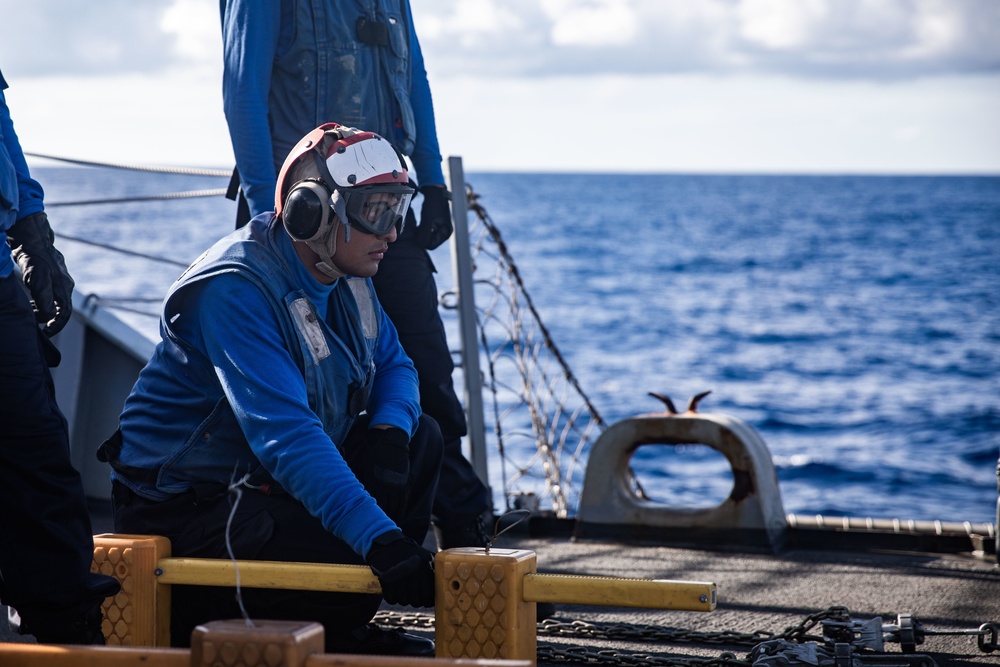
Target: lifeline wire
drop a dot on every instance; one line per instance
(123, 251)
(182, 171)
(190, 194)
(234, 487)
(536, 396)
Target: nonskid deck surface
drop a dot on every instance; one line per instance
(772, 592)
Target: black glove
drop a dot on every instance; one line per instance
(384, 467)
(435, 217)
(404, 568)
(43, 271)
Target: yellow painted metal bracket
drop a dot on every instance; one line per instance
(268, 574)
(560, 588)
(620, 592)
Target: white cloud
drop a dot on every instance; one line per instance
(598, 23)
(195, 26)
(871, 39)
(61, 37)
(780, 24)
(861, 39)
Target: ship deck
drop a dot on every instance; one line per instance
(758, 592)
(770, 593)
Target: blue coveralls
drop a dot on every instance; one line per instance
(264, 371)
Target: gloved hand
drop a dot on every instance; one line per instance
(385, 460)
(43, 270)
(435, 217)
(404, 569)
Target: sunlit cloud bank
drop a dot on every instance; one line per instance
(861, 86)
(872, 39)
(875, 39)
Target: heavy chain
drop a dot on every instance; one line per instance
(580, 655)
(405, 619)
(649, 633)
(583, 655)
(653, 633)
(798, 633)
(559, 654)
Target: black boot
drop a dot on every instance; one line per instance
(84, 629)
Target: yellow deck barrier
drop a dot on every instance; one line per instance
(140, 614)
(562, 588)
(226, 644)
(485, 600)
(36, 655)
(268, 574)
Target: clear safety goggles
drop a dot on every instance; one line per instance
(375, 209)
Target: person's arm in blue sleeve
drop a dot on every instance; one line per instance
(25, 229)
(267, 393)
(395, 395)
(30, 196)
(250, 31)
(426, 155)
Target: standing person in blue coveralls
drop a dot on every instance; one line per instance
(290, 66)
(279, 416)
(46, 540)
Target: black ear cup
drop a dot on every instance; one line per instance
(306, 213)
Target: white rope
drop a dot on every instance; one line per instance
(234, 488)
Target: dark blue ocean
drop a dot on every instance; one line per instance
(853, 321)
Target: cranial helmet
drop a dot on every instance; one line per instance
(335, 175)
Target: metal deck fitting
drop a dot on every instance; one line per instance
(752, 514)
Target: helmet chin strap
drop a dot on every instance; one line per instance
(325, 247)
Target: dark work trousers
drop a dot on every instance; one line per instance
(408, 293)
(274, 527)
(46, 540)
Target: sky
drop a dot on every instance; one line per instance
(676, 86)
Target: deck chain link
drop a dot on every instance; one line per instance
(586, 655)
(649, 633)
(581, 655)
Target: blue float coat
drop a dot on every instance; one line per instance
(229, 347)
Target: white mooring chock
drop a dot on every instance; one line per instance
(752, 514)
